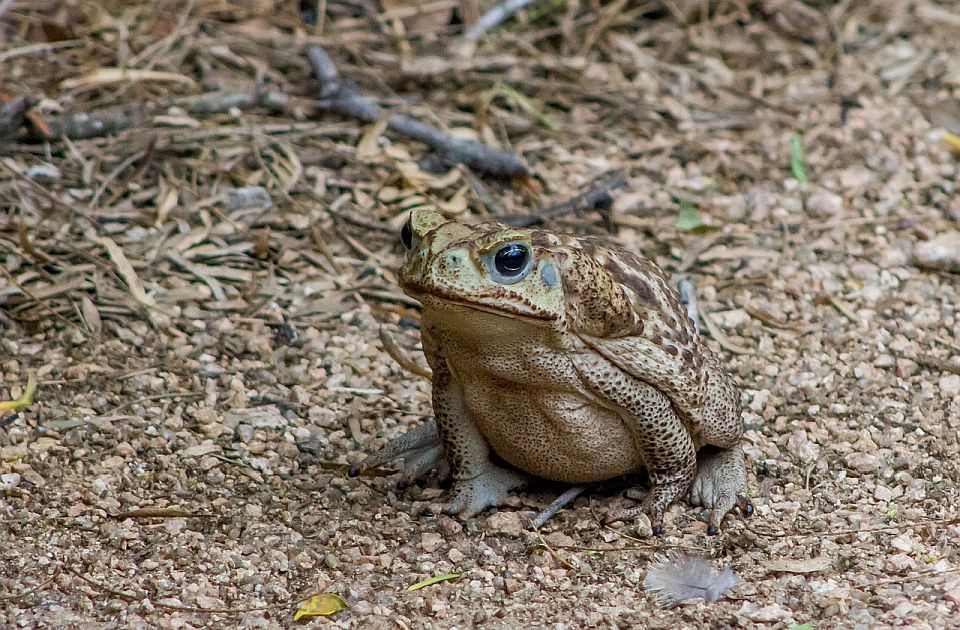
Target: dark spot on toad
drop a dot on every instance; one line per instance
(633, 281)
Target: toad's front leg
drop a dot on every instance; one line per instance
(478, 483)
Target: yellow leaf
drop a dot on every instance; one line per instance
(427, 582)
(324, 605)
(24, 401)
(953, 140)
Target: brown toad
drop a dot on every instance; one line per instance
(571, 360)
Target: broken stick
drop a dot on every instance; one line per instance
(336, 95)
(598, 197)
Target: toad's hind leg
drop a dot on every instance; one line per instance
(665, 444)
(420, 450)
(720, 484)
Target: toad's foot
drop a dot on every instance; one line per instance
(469, 497)
(420, 450)
(720, 484)
(666, 489)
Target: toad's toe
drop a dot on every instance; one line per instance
(491, 488)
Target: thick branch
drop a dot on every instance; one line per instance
(338, 96)
(111, 120)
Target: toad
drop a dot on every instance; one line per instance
(569, 359)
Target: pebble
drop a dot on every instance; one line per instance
(862, 462)
(265, 417)
(941, 253)
(508, 523)
(559, 539)
(950, 385)
(764, 614)
(430, 542)
(450, 526)
(10, 480)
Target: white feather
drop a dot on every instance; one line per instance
(674, 577)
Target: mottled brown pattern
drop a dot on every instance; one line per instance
(582, 379)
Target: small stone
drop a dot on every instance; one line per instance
(559, 539)
(331, 561)
(950, 385)
(882, 493)
(508, 523)
(114, 462)
(244, 433)
(10, 480)
(265, 417)
(511, 585)
(824, 203)
(773, 612)
(430, 542)
(802, 448)
(906, 368)
(450, 526)
(904, 542)
(455, 556)
(862, 462)
(204, 601)
(941, 253)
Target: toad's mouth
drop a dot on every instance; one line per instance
(489, 304)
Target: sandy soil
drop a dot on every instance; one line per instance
(202, 391)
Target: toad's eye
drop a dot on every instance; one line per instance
(510, 263)
(406, 235)
(511, 259)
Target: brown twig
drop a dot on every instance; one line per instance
(111, 120)
(127, 597)
(336, 95)
(157, 513)
(38, 587)
(390, 345)
(552, 551)
(599, 197)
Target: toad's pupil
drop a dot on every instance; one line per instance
(406, 235)
(511, 259)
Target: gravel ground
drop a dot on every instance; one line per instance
(184, 464)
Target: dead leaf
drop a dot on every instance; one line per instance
(107, 76)
(200, 450)
(324, 605)
(125, 269)
(434, 580)
(799, 565)
(368, 149)
(25, 400)
(91, 316)
(418, 17)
